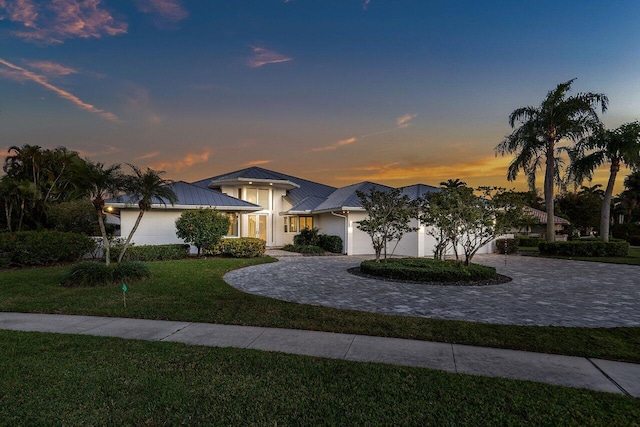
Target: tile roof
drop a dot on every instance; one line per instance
(192, 195)
(542, 216)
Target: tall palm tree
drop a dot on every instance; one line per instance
(616, 147)
(147, 187)
(453, 183)
(541, 131)
(100, 183)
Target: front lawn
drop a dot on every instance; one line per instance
(193, 290)
(54, 379)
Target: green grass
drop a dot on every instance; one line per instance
(193, 290)
(633, 257)
(51, 379)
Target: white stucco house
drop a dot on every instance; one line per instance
(274, 207)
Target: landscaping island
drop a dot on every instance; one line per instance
(430, 272)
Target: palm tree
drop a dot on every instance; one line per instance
(100, 184)
(542, 129)
(630, 197)
(148, 187)
(453, 183)
(616, 147)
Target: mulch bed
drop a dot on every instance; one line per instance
(499, 279)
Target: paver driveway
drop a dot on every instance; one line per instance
(542, 292)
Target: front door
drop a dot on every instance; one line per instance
(258, 226)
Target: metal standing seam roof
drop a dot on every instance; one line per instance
(346, 197)
(192, 195)
(418, 190)
(294, 196)
(541, 216)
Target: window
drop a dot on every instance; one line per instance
(306, 222)
(293, 224)
(258, 196)
(233, 224)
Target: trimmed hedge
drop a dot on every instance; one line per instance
(244, 247)
(29, 248)
(99, 274)
(330, 243)
(304, 249)
(427, 270)
(508, 246)
(585, 248)
(152, 252)
(529, 241)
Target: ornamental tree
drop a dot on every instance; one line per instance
(389, 213)
(202, 228)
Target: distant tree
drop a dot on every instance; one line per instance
(543, 128)
(388, 216)
(147, 187)
(202, 227)
(76, 216)
(630, 197)
(582, 208)
(616, 147)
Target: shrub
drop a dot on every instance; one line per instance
(307, 236)
(244, 247)
(304, 249)
(27, 248)
(152, 252)
(330, 243)
(585, 248)
(78, 216)
(202, 227)
(628, 232)
(99, 274)
(427, 270)
(526, 241)
(508, 246)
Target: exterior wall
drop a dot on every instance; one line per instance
(333, 225)
(156, 228)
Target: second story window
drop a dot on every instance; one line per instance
(258, 196)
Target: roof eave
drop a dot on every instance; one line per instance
(286, 184)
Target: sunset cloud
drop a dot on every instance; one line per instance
(148, 155)
(262, 56)
(256, 163)
(51, 69)
(187, 161)
(54, 21)
(338, 144)
(17, 73)
(164, 10)
(404, 121)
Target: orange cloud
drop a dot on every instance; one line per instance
(262, 56)
(58, 20)
(20, 74)
(109, 149)
(148, 155)
(340, 143)
(256, 163)
(187, 161)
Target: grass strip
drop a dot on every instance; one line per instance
(193, 290)
(52, 379)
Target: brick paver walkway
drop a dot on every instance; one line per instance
(543, 291)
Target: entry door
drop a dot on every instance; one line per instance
(258, 226)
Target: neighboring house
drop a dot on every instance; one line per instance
(274, 207)
(537, 226)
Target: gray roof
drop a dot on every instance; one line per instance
(346, 197)
(307, 205)
(192, 195)
(418, 190)
(295, 196)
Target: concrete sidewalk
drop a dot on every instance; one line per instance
(580, 372)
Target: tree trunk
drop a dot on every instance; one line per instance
(106, 248)
(131, 233)
(7, 212)
(606, 202)
(548, 191)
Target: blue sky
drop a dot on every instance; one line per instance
(338, 91)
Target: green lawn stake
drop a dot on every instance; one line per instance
(124, 293)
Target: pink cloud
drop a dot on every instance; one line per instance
(148, 155)
(169, 10)
(340, 143)
(256, 163)
(20, 74)
(51, 69)
(188, 160)
(58, 20)
(262, 56)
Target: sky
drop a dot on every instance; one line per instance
(336, 91)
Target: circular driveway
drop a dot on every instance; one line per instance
(543, 291)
